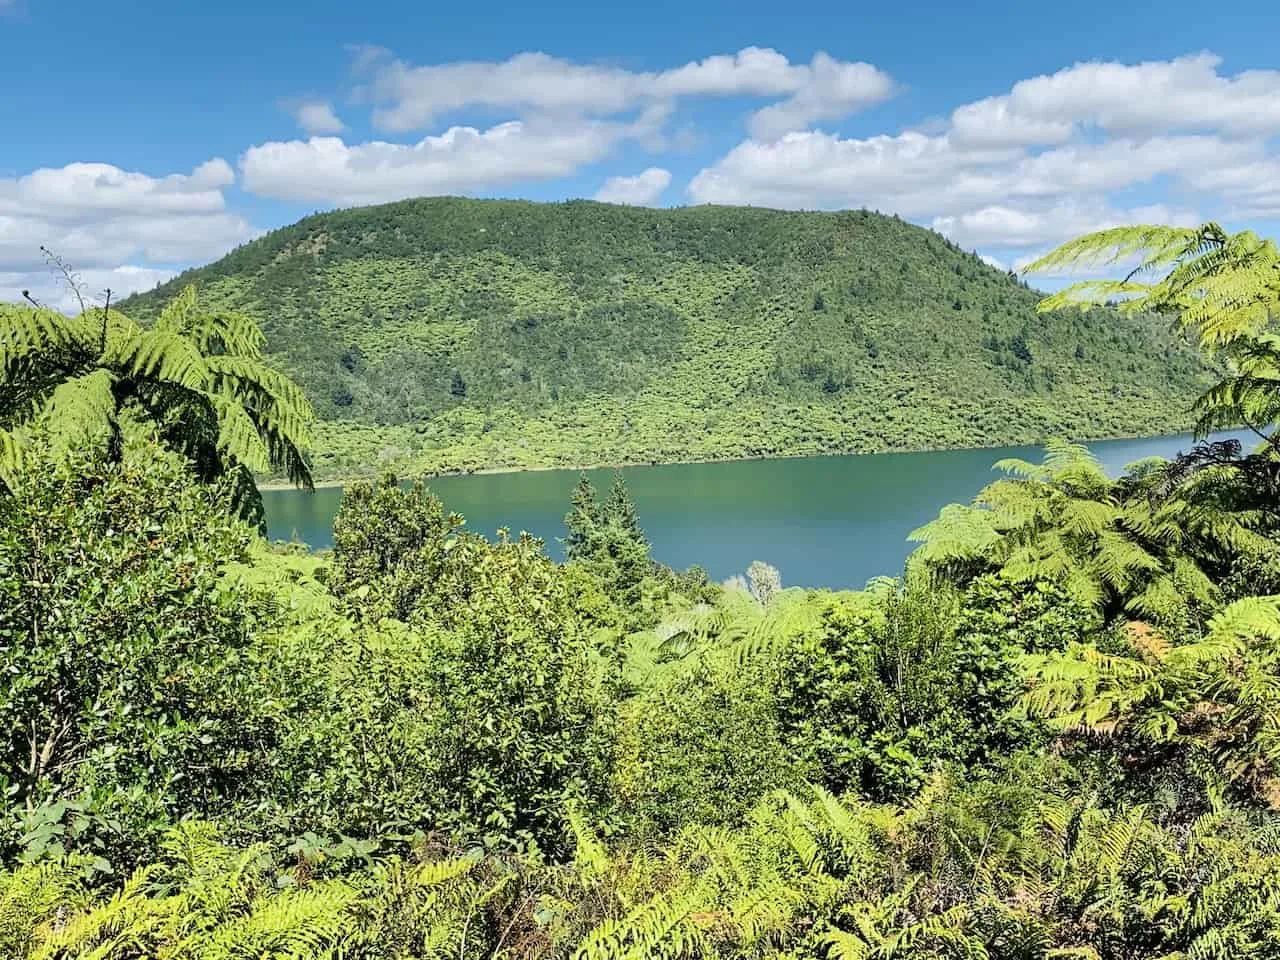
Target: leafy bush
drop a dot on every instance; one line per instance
(886, 692)
(699, 746)
(496, 682)
(127, 674)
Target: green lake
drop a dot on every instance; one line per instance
(822, 521)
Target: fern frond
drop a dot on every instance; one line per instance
(165, 356)
(1247, 618)
(1088, 517)
(80, 412)
(958, 533)
(303, 923)
(238, 435)
(1158, 245)
(29, 897)
(1221, 286)
(1125, 295)
(38, 331)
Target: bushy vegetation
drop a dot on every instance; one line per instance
(445, 335)
(1055, 735)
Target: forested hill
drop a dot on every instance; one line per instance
(446, 334)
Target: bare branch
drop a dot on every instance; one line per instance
(69, 277)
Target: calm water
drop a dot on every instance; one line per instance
(822, 521)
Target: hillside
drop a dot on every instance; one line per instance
(447, 334)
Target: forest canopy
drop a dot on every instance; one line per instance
(448, 334)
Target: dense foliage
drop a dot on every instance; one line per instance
(1055, 735)
(127, 681)
(448, 334)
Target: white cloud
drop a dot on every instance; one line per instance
(460, 160)
(1249, 186)
(831, 90)
(1185, 94)
(568, 115)
(1053, 158)
(118, 227)
(1092, 145)
(410, 98)
(317, 117)
(979, 196)
(1009, 227)
(907, 173)
(85, 192)
(918, 175)
(641, 190)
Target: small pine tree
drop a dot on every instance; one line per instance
(620, 510)
(819, 304)
(607, 540)
(625, 545)
(583, 522)
(459, 386)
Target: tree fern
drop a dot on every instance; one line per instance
(1114, 546)
(1249, 394)
(1224, 290)
(1221, 286)
(1218, 695)
(29, 898)
(197, 378)
(80, 413)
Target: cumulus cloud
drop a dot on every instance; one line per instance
(409, 98)
(1090, 146)
(1250, 186)
(567, 115)
(641, 190)
(1042, 163)
(317, 117)
(85, 192)
(119, 228)
(1185, 94)
(830, 90)
(917, 175)
(460, 160)
(1009, 227)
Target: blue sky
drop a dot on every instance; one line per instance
(141, 138)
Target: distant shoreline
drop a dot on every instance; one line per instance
(481, 471)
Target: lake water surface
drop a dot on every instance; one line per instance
(822, 521)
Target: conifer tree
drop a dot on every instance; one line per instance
(583, 521)
(608, 540)
(620, 510)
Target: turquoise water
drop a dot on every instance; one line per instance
(822, 521)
